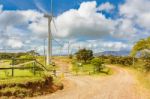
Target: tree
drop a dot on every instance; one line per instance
(84, 55)
(147, 65)
(143, 44)
(33, 53)
(97, 62)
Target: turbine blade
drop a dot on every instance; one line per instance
(54, 23)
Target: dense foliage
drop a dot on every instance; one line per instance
(98, 64)
(122, 60)
(147, 65)
(28, 54)
(10, 55)
(141, 45)
(84, 55)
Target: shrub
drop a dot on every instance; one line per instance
(84, 55)
(127, 60)
(147, 65)
(97, 62)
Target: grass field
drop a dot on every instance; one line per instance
(138, 72)
(143, 77)
(22, 80)
(24, 77)
(88, 69)
(6, 74)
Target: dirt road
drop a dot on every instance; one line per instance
(121, 85)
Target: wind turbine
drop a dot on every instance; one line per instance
(49, 48)
(50, 36)
(1, 11)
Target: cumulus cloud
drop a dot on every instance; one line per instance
(138, 11)
(14, 24)
(125, 29)
(83, 24)
(98, 45)
(133, 21)
(18, 18)
(106, 7)
(13, 43)
(115, 46)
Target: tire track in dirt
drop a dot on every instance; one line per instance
(121, 85)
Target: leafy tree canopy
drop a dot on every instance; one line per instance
(97, 62)
(84, 54)
(141, 45)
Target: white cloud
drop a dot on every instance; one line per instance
(125, 29)
(14, 24)
(115, 46)
(18, 18)
(13, 43)
(106, 7)
(138, 11)
(84, 22)
(98, 45)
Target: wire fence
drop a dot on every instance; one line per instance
(27, 64)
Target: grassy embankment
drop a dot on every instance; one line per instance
(138, 72)
(88, 69)
(23, 82)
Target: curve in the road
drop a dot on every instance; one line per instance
(121, 85)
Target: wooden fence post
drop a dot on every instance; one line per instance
(12, 67)
(54, 71)
(34, 68)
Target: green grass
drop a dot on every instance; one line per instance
(22, 80)
(21, 87)
(22, 76)
(142, 77)
(139, 74)
(13, 89)
(5, 63)
(88, 69)
(8, 73)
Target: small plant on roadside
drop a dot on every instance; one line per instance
(70, 56)
(147, 65)
(98, 64)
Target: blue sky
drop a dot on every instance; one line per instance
(58, 4)
(96, 24)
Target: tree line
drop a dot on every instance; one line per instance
(28, 54)
(139, 52)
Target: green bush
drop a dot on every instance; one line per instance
(98, 64)
(126, 60)
(84, 55)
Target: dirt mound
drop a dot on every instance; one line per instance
(30, 89)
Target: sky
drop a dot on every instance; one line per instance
(100, 25)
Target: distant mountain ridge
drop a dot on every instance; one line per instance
(115, 53)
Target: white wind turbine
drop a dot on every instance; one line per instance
(50, 37)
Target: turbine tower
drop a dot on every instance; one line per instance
(49, 48)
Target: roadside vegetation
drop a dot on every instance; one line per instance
(39, 80)
(30, 79)
(138, 62)
(85, 63)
